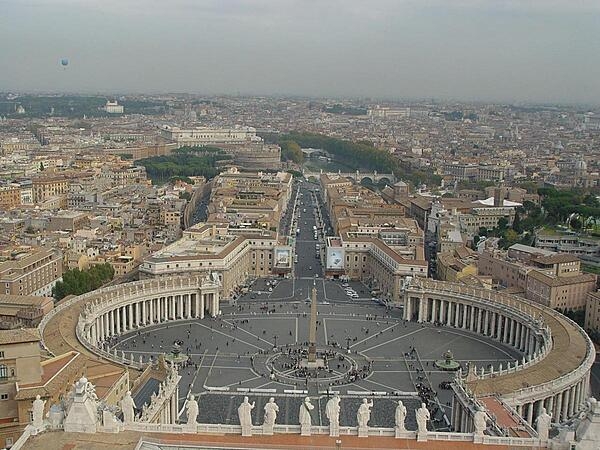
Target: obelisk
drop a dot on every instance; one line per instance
(312, 332)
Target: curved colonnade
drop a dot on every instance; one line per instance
(554, 372)
(123, 308)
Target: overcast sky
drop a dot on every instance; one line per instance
(509, 50)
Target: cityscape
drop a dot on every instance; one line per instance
(212, 268)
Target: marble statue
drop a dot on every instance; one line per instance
(423, 416)
(271, 410)
(400, 416)
(305, 418)
(479, 421)
(245, 416)
(38, 412)
(128, 407)
(192, 410)
(363, 415)
(332, 411)
(542, 423)
(304, 415)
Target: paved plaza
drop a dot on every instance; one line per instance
(228, 353)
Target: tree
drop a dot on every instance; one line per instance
(77, 282)
(291, 151)
(41, 167)
(517, 223)
(502, 223)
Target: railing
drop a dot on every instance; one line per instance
(257, 430)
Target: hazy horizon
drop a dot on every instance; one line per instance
(533, 51)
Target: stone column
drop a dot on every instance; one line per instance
(456, 314)
(215, 304)
(202, 299)
(558, 407)
(172, 302)
(144, 321)
(130, 316)
(530, 413)
(111, 322)
(550, 404)
(180, 315)
(151, 308)
(433, 310)
(565, 405)
(101, 326)
(572, 396)
(486, 323)
(506, 326)
(464, 316)
(449, 312)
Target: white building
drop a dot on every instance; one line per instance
(113, 107)
(210, 136)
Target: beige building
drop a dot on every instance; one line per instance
(23, 310)
(456, 264)
(47, 187)
(250, 199)
(10, 196)
(552, 279)
(235, 254)
(592, 312)
(30, 271)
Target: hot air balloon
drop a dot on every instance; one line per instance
(64, 62)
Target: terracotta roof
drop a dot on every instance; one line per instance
(561, 281)
(19, 336)
(555, 259)
(57, 376)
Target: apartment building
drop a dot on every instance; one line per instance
(10, 196)
(372, 261)
(586, 247)
(47, 187)
(457, 263)
(552, 279)
(250, 199)
(30, 271)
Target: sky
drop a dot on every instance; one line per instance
(485, 50)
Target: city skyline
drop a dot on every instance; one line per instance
(530, 52)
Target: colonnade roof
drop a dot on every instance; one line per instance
(567, 354)
(59, 337)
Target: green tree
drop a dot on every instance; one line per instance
(77, 282)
